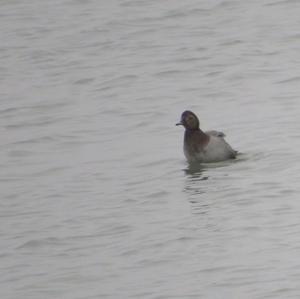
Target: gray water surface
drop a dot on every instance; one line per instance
(97, 200)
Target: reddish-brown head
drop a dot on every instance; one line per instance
(189, 120)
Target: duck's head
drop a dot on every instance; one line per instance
(189, 120)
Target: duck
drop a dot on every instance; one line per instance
(200, 146)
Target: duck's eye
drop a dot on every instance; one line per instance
(190, 118)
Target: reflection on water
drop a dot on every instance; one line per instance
(202, 178)
(195, 173)
(196, 170)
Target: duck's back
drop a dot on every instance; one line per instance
(217, 148)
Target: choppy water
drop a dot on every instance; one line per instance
(97, 200)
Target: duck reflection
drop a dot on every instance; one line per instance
(196, 187)
(195, 172)
(202, 180)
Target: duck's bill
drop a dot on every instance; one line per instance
(178, 124)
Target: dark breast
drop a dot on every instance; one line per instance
(195, 141)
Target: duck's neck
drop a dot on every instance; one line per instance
(197, 135)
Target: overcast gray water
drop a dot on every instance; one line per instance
(97, 200)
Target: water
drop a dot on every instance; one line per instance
(97, 200)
